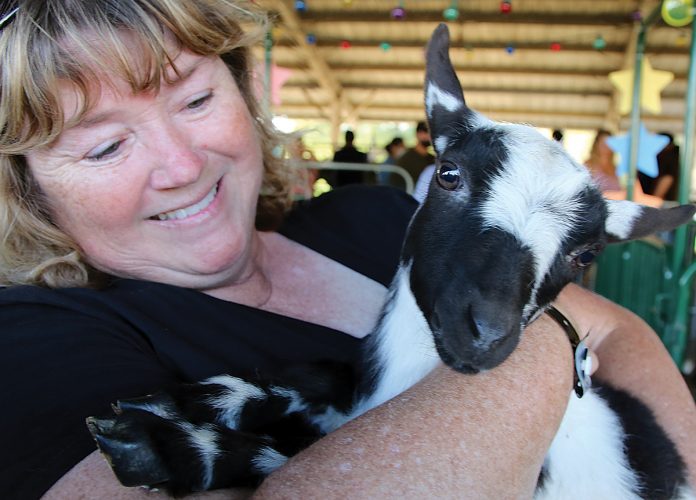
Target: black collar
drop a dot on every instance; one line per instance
(581, 379)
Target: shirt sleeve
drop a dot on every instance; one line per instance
(59, 366)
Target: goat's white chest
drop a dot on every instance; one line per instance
(404, 352)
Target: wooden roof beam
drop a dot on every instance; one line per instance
(470, 15)
(318, 67)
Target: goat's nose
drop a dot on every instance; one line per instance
(486, 329)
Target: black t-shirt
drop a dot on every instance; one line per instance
(67, 354)
(349, 154)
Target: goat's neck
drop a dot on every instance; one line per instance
(400, 351)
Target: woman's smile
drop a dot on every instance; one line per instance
(191, 210)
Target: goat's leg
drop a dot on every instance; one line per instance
(145, 449)
(230, 431)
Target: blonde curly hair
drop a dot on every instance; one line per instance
(35, 59)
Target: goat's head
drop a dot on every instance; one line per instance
(511, 219)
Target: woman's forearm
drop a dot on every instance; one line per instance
(92, 478)
(452, 435)
(632, 357)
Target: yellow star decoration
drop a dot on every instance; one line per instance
(652, 83)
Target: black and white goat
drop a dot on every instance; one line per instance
(516, 206)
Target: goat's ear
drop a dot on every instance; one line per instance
(627, 220)
(444, 100)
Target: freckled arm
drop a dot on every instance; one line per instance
(449, 434)
(632, 358)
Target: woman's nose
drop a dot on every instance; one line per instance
(177, 161)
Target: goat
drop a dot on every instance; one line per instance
(509, 191)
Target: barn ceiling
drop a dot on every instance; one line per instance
(504, 61)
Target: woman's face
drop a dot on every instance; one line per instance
(160, 186)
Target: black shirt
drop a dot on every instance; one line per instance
(66, 354)
(348, 154)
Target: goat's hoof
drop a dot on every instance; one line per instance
(129, 450)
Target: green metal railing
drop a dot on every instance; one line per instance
(676, 336)
(663, 295)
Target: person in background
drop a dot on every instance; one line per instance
(349, 154)
(148, 239)
(601, 163)
(302, 178)
(395, 149)
(603, 170)
(666, 184)
(415, 159)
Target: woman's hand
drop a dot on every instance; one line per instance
(633, 358)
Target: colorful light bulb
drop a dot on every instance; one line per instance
(599, 43)
(450, 13)
(398, 13)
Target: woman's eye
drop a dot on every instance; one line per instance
(448, 176)
(199, 101)
(101, 154)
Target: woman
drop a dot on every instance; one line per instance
(601, 166)
(146, 240)
(601, 163)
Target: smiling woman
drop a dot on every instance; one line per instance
(147, 240)
(142, 183)
(66, 77)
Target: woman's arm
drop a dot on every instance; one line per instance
(459, 433)
(454, 432)
(662, 186)
(634, 359)
(92, 478)
(638, 196)
(451, 435)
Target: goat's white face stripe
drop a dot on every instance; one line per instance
(621, 217)
(441, 143)
(531, 197)
(435, 95)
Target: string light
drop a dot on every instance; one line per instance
(300, 5)
(599, 43)
(677, 13)
(398, 12)
(451, 13)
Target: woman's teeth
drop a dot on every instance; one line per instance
(182, 213)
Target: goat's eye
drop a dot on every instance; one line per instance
(585, 257)
(448, 176)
